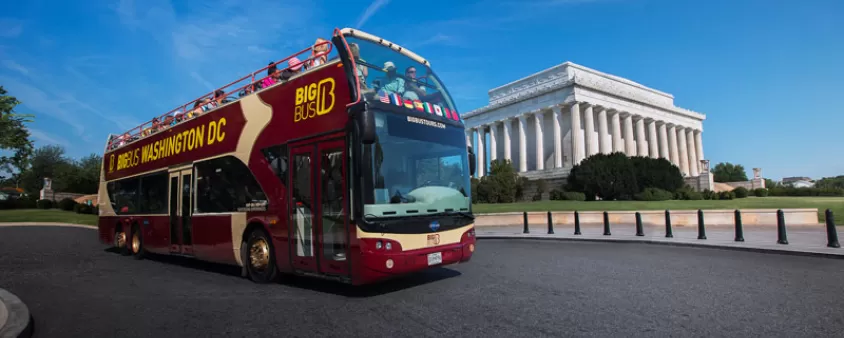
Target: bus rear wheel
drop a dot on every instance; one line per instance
(260, 260)
(136, 245)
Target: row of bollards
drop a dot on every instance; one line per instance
(782, 238)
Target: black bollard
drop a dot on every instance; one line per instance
(527, 230)
(739, 230)
(606, 224)
(576, 223)
(639, 230)
(668, 232)
(701, 230)
(550, 224)
(781, 237)
(831, 233)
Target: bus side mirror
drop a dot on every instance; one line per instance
(366, 122)
(472, 162)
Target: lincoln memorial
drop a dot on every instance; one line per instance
(549, 121)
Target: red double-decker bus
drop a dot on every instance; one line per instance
(347, 160)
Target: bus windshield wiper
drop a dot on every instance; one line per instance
(452, 213)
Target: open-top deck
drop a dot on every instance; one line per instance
(294, 64)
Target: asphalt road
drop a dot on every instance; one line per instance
(75, 288)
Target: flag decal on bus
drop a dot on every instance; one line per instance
(427, 107)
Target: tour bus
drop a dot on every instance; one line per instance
(350, 163)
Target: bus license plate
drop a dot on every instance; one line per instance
(435, 258)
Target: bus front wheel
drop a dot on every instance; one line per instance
(260, 260)
(136, 244)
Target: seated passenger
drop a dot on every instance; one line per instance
(207, 104)
(273, 76)
(220, 97)
(294, 65)
(362, 71)
(318, 48)
(412, 90)
(394, 83)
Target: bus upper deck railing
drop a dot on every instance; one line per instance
(206, 103)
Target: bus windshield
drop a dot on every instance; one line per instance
(419, 167)
(384, 71)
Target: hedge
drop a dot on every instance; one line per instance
(67, 204)
(653, 194)
(741, 192)
(44, 204)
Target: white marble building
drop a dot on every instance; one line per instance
(530, 121)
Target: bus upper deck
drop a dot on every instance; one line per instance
(405, 90)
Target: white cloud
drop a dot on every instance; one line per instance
(41, 102)
(10, 28)
(44, 137)
(16, 67)
(370, 11)
(202, 80)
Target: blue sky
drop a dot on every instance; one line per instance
(767, 74)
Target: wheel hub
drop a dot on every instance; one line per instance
(120, 240)
(259, 254)
(136, 242)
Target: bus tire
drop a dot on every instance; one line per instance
(260, 260)
(120, 241)
(136, 243)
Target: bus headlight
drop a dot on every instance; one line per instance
(378, 245)
(388, 246)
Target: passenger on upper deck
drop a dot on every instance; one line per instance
(273, 76)
(220, 97)
(412, 90)
(362, 71)
(316, 49)
(395, 84)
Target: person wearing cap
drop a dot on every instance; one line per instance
(395, 84)
(294, 66)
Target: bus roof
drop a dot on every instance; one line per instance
(247, 84)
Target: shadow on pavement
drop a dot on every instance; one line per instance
(313, 283)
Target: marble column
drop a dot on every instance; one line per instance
(629, 145)
(672, 144)
(538, 119)
(469, 138)
(522, 144)
(699, 148)
(493, 143)
(603, 143)
(589, 131)
(575, 134)
(693, 163)
(558, 138)
(479, 153)
(507, 146)
(663, 142)
(617, 143)
(684, 153)
(652, 141)
(641, 144)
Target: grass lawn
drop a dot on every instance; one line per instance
(836, 204)
(52, 215)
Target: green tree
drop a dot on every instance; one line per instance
(830, 182)
(47, 161)
(500, 185)
(14, 137)
(610, 177)
(657, 173)
(728, 172)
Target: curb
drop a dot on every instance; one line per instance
(19, 322)
(46, 224)
(646, 241)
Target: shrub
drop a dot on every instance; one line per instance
(792, 191)
(44, 204)
(708, 194)
(85, 209)
(67, 204)
(688, 194)
(573, 196)
(502, 185)
(740, 192)
(657, 173)
(610, 177)
(653, 194)
(760, 192)
(474, 188)
(726, 195)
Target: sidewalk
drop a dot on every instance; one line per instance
(15, 319)
(805, 240)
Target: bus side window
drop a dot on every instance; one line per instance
(277, 159)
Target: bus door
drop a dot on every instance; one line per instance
(319, 222)
(181, 208)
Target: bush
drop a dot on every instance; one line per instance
(688, 194)
(610, 177)
(44, 204)
(85, 209)
(67, 204)
(502, 185)
(760, 192)
(657, 173)
(741, 192)
(653, 194)
(573, 196)
(709, 195)
(726, 195)
(792, 191)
